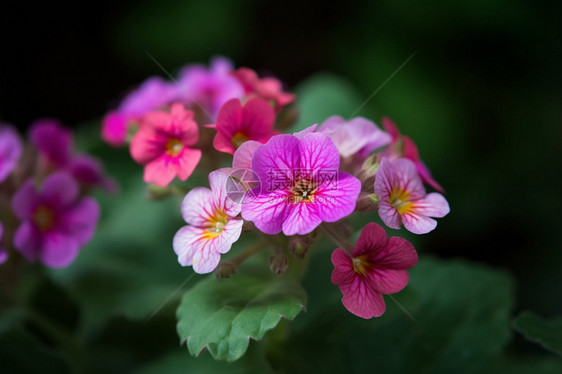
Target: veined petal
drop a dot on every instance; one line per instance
(397, 253)
(343, 268)
(302, 219)
(432, 205)
(243, 156)
(197, 206)
(230, 234)
(268, 211)
(360, 299)
(336, 198)
(418, 224)
(405, 176)
(217, 181)
(317, 153)
(388, 281)
(186, 162)
(372, 240)
(389, 214)
(278, 157)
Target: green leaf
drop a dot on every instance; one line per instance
(547, 333)
(222, 315)
(323, 96)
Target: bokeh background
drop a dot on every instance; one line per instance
(482, 95)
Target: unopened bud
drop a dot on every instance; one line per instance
(367, 202)
(299, 245)
(225, 270)
(156, 193)
(369, 167)
(278, 264)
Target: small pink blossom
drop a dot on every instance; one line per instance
(267, 88)
(212, 227)
(10, 150)
(55, 221)
(209, 88)
(403, 146)
(237, 124)
(163, 144)
(403, 198)
(377, 266)
(356, 136)
(114, 129)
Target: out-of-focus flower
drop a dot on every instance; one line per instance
(212, 225)
(163, 145)
(356, 136)
(403, 198)
(301, 185)
(403, 146)
(56, 222)
(3, 252)
(10, 150)
(55, 145)
(242, 158)
(267, 88)
(237, 124)
(152, 94)
(377, 266)
(209, 88)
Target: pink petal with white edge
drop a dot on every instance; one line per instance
(230, 234)
(197, 206)
(185, 243)
(302, 219)
(58, 250)
(389, 215)
(243, 156)
(418, 224)
(360, 299)
(432, 205)
(217, 181)
(405, 176)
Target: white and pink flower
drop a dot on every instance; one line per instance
(212, 227)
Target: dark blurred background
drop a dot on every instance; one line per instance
(482, 96)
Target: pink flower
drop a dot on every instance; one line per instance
(403, 198)
(268, 88)
(300, 185)
(209, 88)
(163, 145)
(213, 225)
(55, 145)
(376, 267)
(152, 94)
(356, 136)
(403, 146)
(56, 221)
(3, 252)
(10, 150)
(237, 124)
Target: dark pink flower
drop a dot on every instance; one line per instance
(237, 124)
(267, 88)
(163, 144)
(403, 198)
(114, 129)
(403, 146)
(10, 150)
(56, 221)
(376, 267)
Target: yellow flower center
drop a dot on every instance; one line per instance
(43, 218)
(215, 224)
(360, 264)
(238, 139)
(174, 147)
(400, 199)
(303, 191)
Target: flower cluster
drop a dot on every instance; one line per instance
(290, 188)
(45, 211)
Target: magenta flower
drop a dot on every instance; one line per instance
(114, 129)
(300, 185)
(403, 146)
(237, 124)
(376, 267)
(403, 198)
(56, 221)
(163, 145)
(209, 88)
(356, 136)
(10, 150)
(3, 252)
(212, 225)
(55, 145)
(267, 88)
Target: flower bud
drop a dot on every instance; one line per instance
(367, 202)
(299, 245)
(225, 270)
(278, 264)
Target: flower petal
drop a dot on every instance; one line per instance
(302, 219)
(243, 156)
(343, 268)
(432, 205)
(27, 240)
(58, 250)
(360, 299)
(280, 155)
(186, 162)
(25, 200)
(318, 153)
(388, 281)
(336, 198)
(389, 215)
(418, 224)
(59, 189)
(197, 206)
(80, 221)
(160, 171)
(267, 211)
(372, 240)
